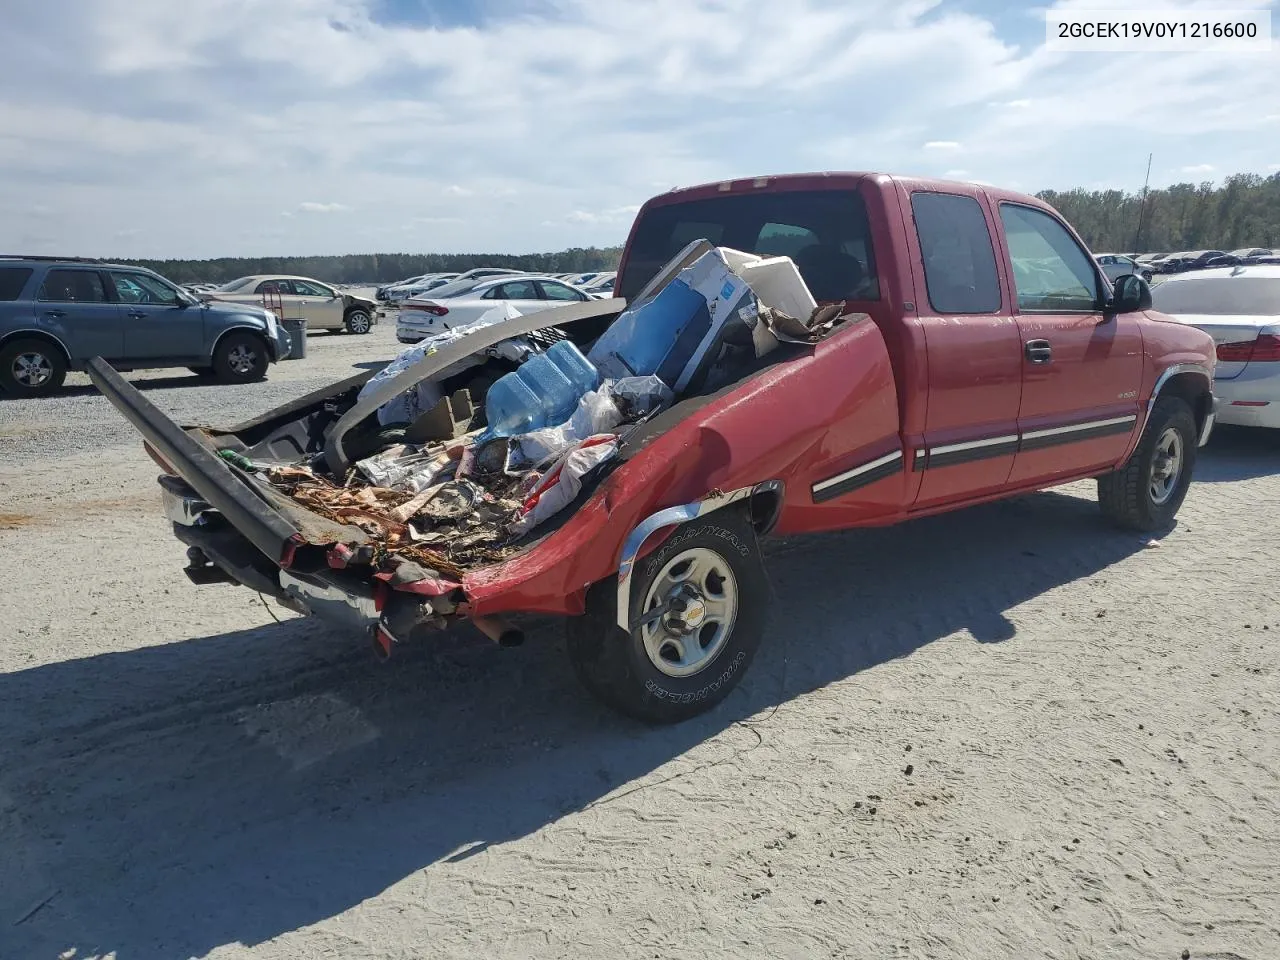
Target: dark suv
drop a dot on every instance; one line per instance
(56, 313)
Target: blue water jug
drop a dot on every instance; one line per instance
(512, 408)
(581, 372)
(556, 393)
(659, 336)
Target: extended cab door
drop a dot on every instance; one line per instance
(972, 344)
(1081, 367)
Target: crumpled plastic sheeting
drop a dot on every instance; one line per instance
(413, 403)
(563, 482)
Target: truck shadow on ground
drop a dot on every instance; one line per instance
(228, 789)
(1239, 453)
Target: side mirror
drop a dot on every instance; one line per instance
(1131, 293)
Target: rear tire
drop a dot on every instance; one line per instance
(31, 368)
(659, 674)
(1147, 491)
(240, 358)
(358, 321)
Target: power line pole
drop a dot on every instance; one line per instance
(1142, 208)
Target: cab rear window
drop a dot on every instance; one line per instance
(824, 231)
(12, 280)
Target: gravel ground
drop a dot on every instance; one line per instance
(1005, 732)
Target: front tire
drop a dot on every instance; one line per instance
(1147, 491)
(358, 321)
(31, 368)
(240, 358)
(689, 659)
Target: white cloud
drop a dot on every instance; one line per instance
(310, 206)
(235, 109)
(1273, 166)
(1199, 168)
(955, 174)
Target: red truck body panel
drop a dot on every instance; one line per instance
(945, 409)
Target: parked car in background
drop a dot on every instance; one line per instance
(1251, 254)
(57, 313)
(526, 294)
(1240, 308)
(1116, 265)
(398, 290)
(406, 291)
(600, 289)
(323, 307)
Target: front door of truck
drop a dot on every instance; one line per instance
(1081, 367)
(973, 348)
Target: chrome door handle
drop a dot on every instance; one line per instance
(56, 314)
(1039, 351)
(137, 315)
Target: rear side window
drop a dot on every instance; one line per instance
(73, 286)
(959, 261)
(825, 232)
(1050, 271)
(12, 280)
(283, 287)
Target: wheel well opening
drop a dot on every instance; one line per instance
(764, 506)
(33, 335)
(1195, 390)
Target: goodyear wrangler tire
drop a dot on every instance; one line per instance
(687, 660)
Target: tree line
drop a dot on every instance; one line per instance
(1243, 212)
(379, 267)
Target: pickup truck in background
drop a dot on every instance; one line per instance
(981, 353)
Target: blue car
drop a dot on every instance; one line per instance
(57, 313)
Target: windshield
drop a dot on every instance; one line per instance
(824, 231)
(1220, 296)
(235, 285)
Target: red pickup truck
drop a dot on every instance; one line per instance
(981, 353)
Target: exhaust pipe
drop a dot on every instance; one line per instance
(501, 632)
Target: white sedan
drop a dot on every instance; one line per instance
(447, 308)
(1240, 308)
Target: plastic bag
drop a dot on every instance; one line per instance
(596, 413)
(563, 482)
(416, 401)
(639, 396)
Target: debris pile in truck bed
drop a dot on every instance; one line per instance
(451, 485)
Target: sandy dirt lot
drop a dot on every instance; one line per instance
(1007, 732)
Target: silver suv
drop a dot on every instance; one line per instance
(56, 313)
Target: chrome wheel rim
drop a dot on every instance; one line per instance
(701, 594)
(32, 369)
(242, 359)
(359, 323)
(1166, 466)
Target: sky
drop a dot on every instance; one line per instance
(151, 128)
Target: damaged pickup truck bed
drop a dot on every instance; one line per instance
(977, 352)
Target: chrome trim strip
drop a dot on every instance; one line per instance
(1078, 427)
(1170, 373)
(1209, 421)
(670, 517)
(857, 471)
(973, 444)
